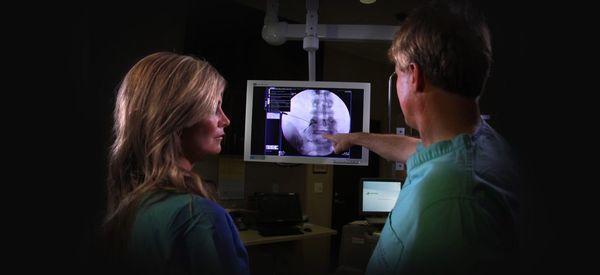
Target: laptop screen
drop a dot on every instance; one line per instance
(279, 208)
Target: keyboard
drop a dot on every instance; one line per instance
(279, 231)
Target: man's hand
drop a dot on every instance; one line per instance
(342, 142)
(388, 146)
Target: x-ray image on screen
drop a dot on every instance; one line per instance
(313, 113)
(285, 121)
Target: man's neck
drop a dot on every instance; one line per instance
(447, 115)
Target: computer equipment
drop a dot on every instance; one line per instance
(377, 198)
(278, 214)
(242, 218)
(285, 121)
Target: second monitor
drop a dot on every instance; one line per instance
(377, 198)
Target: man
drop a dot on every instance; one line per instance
(457, 211)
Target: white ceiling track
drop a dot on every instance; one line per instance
(277, 32)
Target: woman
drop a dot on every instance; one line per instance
(161, 217)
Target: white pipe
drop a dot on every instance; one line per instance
(311, 66)
(389, 103)
(273, 31)
(276, 32)
(272, 12)
(310, 40)
(341, 32)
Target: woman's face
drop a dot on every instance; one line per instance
(204, 138)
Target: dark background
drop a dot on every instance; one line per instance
(71, 57)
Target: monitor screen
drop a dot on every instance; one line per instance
(378, 195)
(285, 121)
(278, 208)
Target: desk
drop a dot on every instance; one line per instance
(251, 237)
(291, 254)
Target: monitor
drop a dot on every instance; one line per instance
(378, 196)
(278, 208)
(285, 120)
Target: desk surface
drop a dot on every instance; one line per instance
(251, 237)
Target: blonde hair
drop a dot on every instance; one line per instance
(160, 96)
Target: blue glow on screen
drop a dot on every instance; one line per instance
(380, 196)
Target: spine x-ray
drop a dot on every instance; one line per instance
(301, 118)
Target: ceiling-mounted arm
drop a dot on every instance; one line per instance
(341, 32)
(276, 32)
(311, 42)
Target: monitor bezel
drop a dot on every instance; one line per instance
(360, 196)
(366, 87)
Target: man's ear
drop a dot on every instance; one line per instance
(417, 77)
